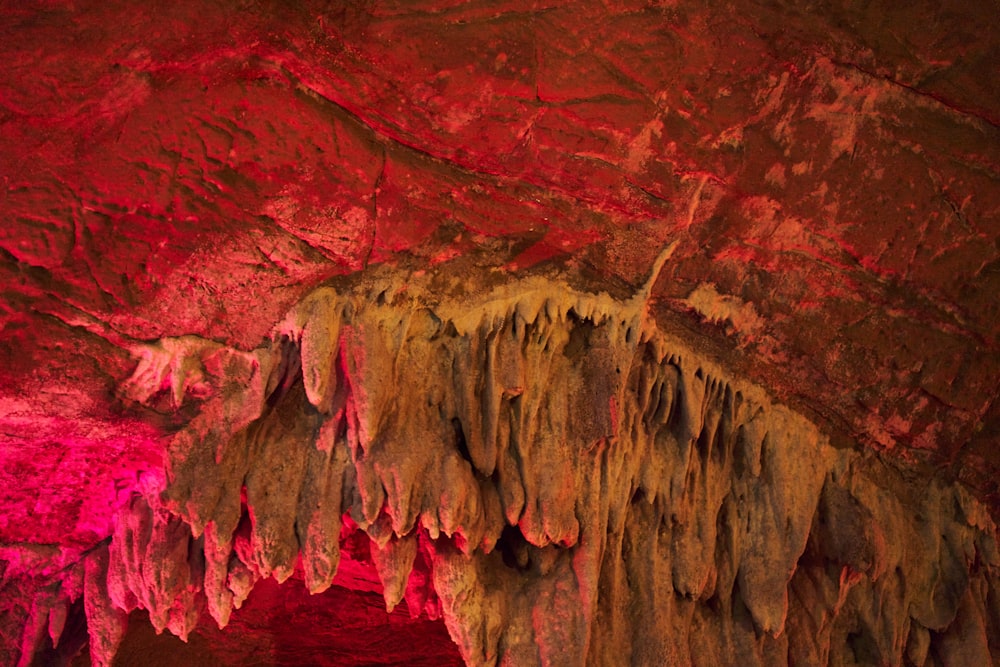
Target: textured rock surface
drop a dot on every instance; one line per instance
(651, 330)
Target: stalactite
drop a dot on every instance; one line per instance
(106, 622)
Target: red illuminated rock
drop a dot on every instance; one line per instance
(369, 296)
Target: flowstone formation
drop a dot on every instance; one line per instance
(544, 467)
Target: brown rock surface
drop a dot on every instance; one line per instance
(649, 333)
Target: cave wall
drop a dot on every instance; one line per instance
(648, 331)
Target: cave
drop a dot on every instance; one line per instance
(604, 332)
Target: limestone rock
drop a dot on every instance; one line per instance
(579, 332)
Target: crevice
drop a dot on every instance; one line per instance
(460, 443)
(515, 549)
(936, 99)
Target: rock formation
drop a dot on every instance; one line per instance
(658, 334)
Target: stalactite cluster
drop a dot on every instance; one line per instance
(346, 296)
(549, 471)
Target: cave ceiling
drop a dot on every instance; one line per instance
(795, 205)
